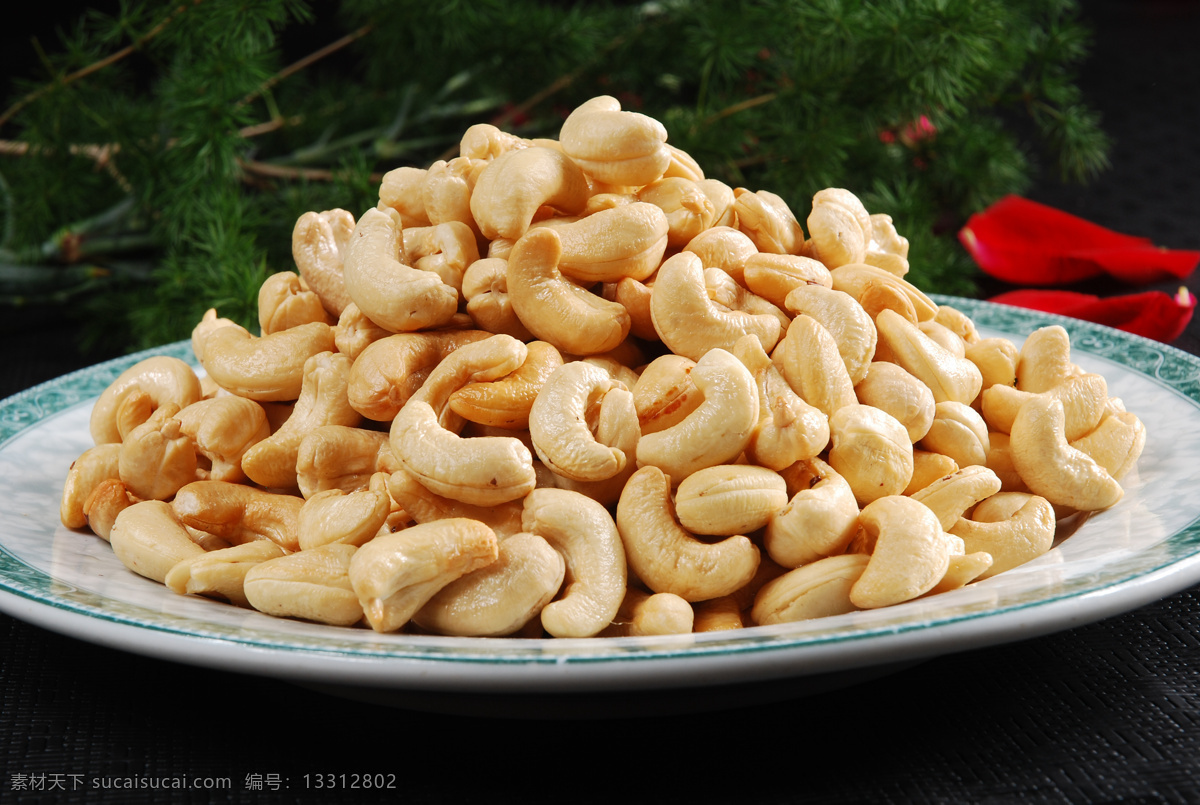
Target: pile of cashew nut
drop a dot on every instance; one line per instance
(573, 388)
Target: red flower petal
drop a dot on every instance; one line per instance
(1026, 243)
(1152, 314)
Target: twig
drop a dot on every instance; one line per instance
(749, 103)
(284, 172)
(83, 72)
(312, 58)
(102, 155)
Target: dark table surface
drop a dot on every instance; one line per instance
(1105, 712)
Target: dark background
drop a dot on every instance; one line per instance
(1107, 712)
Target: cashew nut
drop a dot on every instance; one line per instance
(723, 247)
(819, 520)
(1116, 443)
(1013, 527)
(1050, 467)
(221, 573)
(162, 379)
(813, 366)
(149, 540)
(614, 146)
(506, 403)
(958, 431)
(1084, 399)
(729, 499)
(949, 497)
(239, 513)
(341, 457)
(845, 319)
(948, 376)
(515, 185)
(768, 221)
(911, 554)
(313, 585)
(285, 300)
(222, 430)
(1045, 359)
(558, 424)
(871, 450)
(93, 466)
(267, 368)
(815, 590)
(318, 243)
(774, 276)
(889, 388)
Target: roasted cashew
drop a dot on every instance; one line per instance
(108, 498)
(958, 431)
(515, 185)
(1050, 467)
(845, 319)
(890, 388)
(1013, 527)
(723, 247)
(354, 332)
(729, 499)
(1045, 359)
(815, 590)
(858, 278)
(159, 380)
(996, 359)
(448, 189)
(337, 516)
(1084, 399)
(642, 615)
(318, 243)
(948, 376)
(269, 368)
(813, 366)
(94, 465)
(389, 371)
(558, 424)
(221, 573)
(911, 553)
(424, 506)
(239, 513)
(506, 403)
(768, 221)
(687, 209)
(222, 430)
(819, 520)
(402, 189)
(720, 427)
(554, 308)
(394, 296)
(717, 615)
(870, 449)
(485, 287)
(502, 597)
(341, 457)
(611, 244)
(485, 141)
(690, 323)
(445, 249)
(774, 276)
(149, 540)
(949, 497)
(157, 457)
(840, 227)
(285, 300)
(929, 467)
(616, 147)
(483, 471)
(313, 585)
(665, 393)
(665, 556)
(323, 401)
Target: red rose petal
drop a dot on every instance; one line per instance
(1026, 243)
(1152, 314)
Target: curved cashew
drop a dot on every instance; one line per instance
(515, 185)
(944, 337)
(665, 393)
(929, 467)
(500, 598)
(354, 332)
(222, 430)
(720, 427)
(485, 287)
(394, 575)
(729, 499)
(239, 513)
(844, 318)
(558, 424)
(665, 556)
(617, 428)
(958, 431)
(948, 377)
(285, 300)
(157, 458)
(392, 369)
(687, 209)
(1084, 399)
(949, 497)
(722, 197)
(445, 249)
(483, 471)
(789, 429)
(1116, 443)
(725, 292)
(318, 243)
(341, 457)
(613, 146)
(768, 221)
(889, 388)
(774, 276)
(723, 247)
(221, 573)
(485, 141)
(884, 237)
(857, 279)
(819, 520)
(814, 368)
(269, 368)
(840, 226)
(996, 359)
(554, 308)
(1000, 462)
(1050, 467)
(448, 188)
(911, 554)
(160, 380)
(608, 245)
(149, 540)
(871, 450)
(312, 585)
(1013, 527)
(402, 189)
(394, 296)
(815, 590)
(94, 465)
(1045, 359)
(690, 323)
(506, 403)
(109, 498)
(583, 531)
(337, 516)
(426, 507)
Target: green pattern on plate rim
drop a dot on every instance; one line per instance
(1171, 369)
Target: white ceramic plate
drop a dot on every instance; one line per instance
(1145, 548)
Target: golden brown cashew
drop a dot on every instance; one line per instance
(109, 498)
(162, 379)
(613, 146)
(394, 296)
(669, 559)
(690, 323)
(266, 369)
(313, 585)
(149, 540)
(323, 401)
(512, 188)
(911, 554)
(318, 242)
(819, 520)
(96, 464)
(720, 427)
(583, 531)
(1011, 526)
(558, 424)
(239, 513)
(501, 598)
(394, 575)
(483, 471)
(506, 403)
(554, 308)
(221, 573)
(341, 457)
(1050, 467)
(223, 429)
